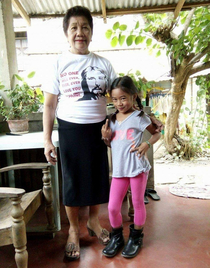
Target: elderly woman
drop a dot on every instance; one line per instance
(80, 109)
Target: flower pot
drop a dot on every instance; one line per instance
(18, 126)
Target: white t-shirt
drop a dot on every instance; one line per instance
(81, 82)
(126, 135)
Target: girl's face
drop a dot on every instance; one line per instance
(122, 101)
(79, 35)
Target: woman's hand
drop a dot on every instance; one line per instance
(50, 153)
(158, 124)
(106, 131)
(141, 150)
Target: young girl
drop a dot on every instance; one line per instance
(123, 132)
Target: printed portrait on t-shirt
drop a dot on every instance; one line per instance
(94, 83)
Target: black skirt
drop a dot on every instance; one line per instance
(84, 164)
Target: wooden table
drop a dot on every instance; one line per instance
(33, 140)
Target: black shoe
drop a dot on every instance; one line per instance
(115, 244)
(134, 243)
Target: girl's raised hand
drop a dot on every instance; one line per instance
(106, 131)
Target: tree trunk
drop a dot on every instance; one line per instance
(178, 93)
(208, 114)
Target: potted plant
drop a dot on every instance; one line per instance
(24, 100)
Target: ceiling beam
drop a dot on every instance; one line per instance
(120, 12)
(103, 8)
(154, 9)
(178, 8)
(17, 5)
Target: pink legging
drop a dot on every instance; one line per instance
(119, 187)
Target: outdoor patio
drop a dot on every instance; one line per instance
(177, 235)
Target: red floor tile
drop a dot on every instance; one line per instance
(177, 235)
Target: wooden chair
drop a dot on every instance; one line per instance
(18, 207)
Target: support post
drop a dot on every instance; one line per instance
(8, 57)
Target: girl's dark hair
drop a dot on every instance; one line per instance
(127, 85)
(77, 11)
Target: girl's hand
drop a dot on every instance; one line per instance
(141, 150)
(50, 153)
(106, 131)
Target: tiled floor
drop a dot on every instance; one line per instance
(177, 235)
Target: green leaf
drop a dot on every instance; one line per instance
(183, 20)
(123, 27)
(149, 41)
(197, 30)
(138, 73)
(114, 41)
(31, 75)
(129, 40)
(121, 39)
(116, 26)
(146, 29)
(108, 34)
(18, 77)
(137, 25)
(158, 53)
(139, 39)
(207, 16)
(38, 91)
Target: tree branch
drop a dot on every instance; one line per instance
(200, 68)
(174, 36)
(182, 72)
(188, 19)
(200, 55)
(186, 24)
(178, 8)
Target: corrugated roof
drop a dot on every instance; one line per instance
(103, 8)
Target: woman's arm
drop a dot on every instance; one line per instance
(157, 123)
(50, 105)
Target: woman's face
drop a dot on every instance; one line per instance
(79, 35)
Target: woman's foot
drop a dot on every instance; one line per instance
(95, 229)
(72, 249)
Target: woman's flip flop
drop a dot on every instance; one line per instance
(153, 194)
(146, 201)
(72, 252)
